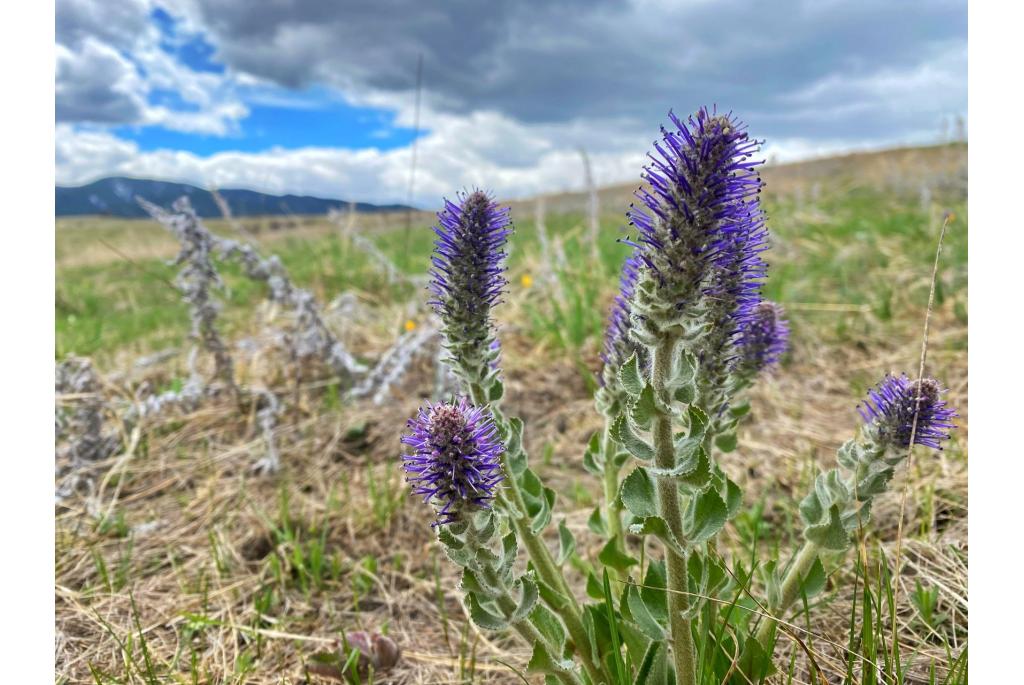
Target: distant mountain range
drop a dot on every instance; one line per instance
(116, 197)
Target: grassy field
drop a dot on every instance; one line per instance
(182, 566)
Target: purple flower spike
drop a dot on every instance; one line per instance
(700, 227)
(456, 458)
(891, 406)
(618, 345)
(765, 339)
(467, 277)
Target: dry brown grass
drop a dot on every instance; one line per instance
(201, 540)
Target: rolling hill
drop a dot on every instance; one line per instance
(116, 197)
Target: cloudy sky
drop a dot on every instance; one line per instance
(318, 97)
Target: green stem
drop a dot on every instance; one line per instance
(532, 635)
(798, 568)
(683, 649)
(547, 570)
(529, 631)
(550, 574)
(613, 506)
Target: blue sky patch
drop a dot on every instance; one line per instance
(314, 121)
(194, 51)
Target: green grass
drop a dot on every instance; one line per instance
(860, 248)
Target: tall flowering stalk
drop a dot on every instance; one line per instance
(454, 463)
(605, 458)
(898, 414)
(700, 234)
(468, 280)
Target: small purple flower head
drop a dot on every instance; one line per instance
(765, 339)
(468, 271)
(618, 345)
(456, 458)
(891, 406)
(701, 228)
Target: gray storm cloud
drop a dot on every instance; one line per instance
(542, 62)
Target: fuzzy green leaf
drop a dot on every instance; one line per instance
(496, 391)
(733, 497)
(772, 582)
(875, 481)
(527, 600)
(549, 626)
(653, 591)
(698, 477)
(857, 518)
(592, 457)
(698, 421)
(539, 500)
(656, 526)
(707, 572)
(685, 368)
(687, 459)
(685, 393)
(553, 597)
(814, 581)
(566, 543)
(654, 667)
(542, 662)
(755, 663)
(596, 523)
(811, 511)
(726, 442)
(509, 552)
(483, 617)
(590, 464)
(454, 548)
(847, 455)
(705, 516)
(613, 556)
(831, 535)
(624, 435)
(470, 583)
(637, 493)
(630, 376)
(740, 410)
(831, 489)
(644, 408)
(514, 455)
(643, 617)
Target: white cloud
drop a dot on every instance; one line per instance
(484, 149)
(97, 84)
(121, 24)
(109, 62)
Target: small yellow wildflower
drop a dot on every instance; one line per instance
(410, 325)
(526, 280)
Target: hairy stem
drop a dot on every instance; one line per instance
(528, 630)
(683, 649)
(547, 570)
(798, 568)
(613, 506)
